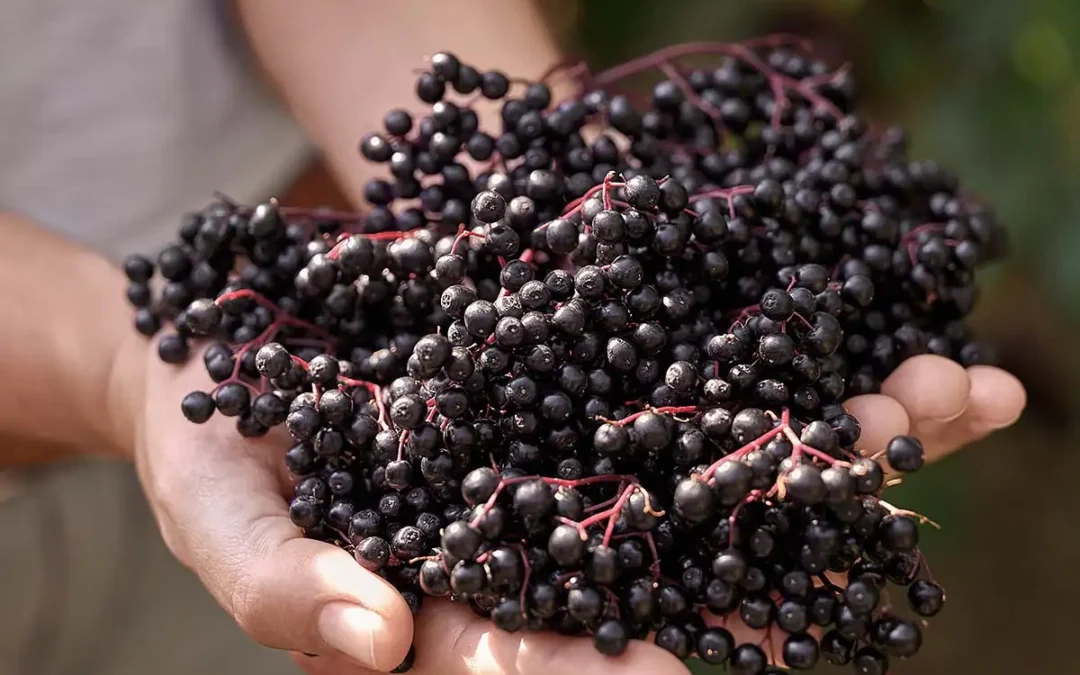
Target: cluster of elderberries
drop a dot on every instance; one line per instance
(585, 372)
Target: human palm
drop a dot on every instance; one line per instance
(220, 502)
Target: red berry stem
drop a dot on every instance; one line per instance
(372, 388)
(432, 412)
(334, 252)
(579, 203)
(526, 575)
(800, 448)
(914, 232)
(749, 447)
(573, 67)
(725, 193)
(235, 377)
(464, 234)
(670, 410)
(779, 83)
(559, 482)
(671, 72)
(604, 504)
(924, 566)
(281, 317)
(825, 78)
(752, 497)
(605, 188)
(271, 331)
(612, 514)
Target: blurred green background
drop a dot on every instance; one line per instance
(991, 88)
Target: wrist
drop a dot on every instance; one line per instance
(111, 398)
(70, 357)
(125, 392)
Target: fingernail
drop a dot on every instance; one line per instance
(947, 418)
(985, 427)
(932, 426)
(352, 630)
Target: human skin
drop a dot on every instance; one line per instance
(80, 380)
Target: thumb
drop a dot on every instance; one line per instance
(219, 504)
(312, 597)
(285, 591)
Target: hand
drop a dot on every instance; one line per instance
(933, 398)
(220, 502)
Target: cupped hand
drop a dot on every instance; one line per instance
(935, 399)
(220, 502)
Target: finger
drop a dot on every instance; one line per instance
(881, 417)
(218, 498)
(933, 390)
(286, 591)
(452, 640)
(996, 401)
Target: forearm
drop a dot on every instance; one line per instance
(341, 64)
(65, 345)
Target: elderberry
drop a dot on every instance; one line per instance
(584, 369)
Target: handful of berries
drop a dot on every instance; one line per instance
(585, 371)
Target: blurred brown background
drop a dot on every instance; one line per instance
(991, 88)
